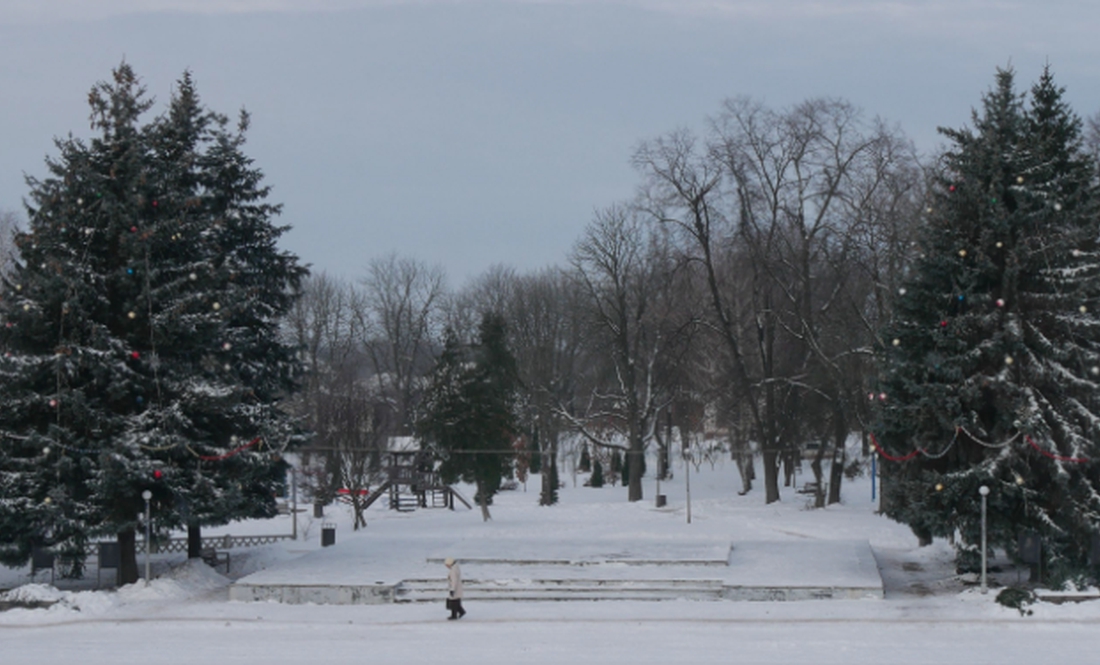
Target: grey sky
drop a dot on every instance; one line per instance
(472, 133)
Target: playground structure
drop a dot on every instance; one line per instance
(412, 482)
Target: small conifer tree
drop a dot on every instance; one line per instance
(597, 474)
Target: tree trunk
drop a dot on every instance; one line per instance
(357, 507)
(549, 494)
(924, 536)
(819, 494)
(771, 476)
(836, 472)
(194, 541)
(128, 567)
(483, 501)
(789, 465)
(746, 466)
(634, 462)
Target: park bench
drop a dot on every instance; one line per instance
(213, 558)
(811, 487)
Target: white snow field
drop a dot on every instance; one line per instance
(921, 613)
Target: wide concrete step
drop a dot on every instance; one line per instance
(432, 590)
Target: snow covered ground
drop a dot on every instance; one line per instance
(928, 614)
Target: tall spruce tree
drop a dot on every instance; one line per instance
(468, 415)
(140, 333)
(990, 369)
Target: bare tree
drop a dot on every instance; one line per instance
(776, 207)
(625, 273)
(326, 325)
(401, 326)
(547, 333)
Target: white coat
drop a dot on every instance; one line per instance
(454, 581)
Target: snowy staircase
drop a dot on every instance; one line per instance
(435, 589)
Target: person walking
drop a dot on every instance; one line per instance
(454, 589)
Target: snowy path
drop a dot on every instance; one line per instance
(547, 633)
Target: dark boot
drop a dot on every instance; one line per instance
(461, 612)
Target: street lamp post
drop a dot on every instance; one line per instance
(147, 495)
(984, 491)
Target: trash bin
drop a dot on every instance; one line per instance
(328, 534)
(318, 510)
(662, 500)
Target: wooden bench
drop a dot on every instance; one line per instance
(811, 488)
(213, 557)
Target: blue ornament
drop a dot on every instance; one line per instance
(962, 298)
(129, 271)
(140, 399)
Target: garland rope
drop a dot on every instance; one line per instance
(922, 451)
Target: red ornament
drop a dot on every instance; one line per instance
(154, 203)
(157, 474)
(943, 324)
(951, 188)
(135, 355)
(133, 229)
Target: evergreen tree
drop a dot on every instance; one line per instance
(536, 460)
(616, 466)
(991, 365)
(597, 474)
(468, 414)
(141, 333)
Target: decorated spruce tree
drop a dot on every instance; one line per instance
(140, 333)
(468, 416)
(990, 370)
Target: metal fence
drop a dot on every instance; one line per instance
(216, 542)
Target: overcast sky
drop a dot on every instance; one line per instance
(471, 133)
